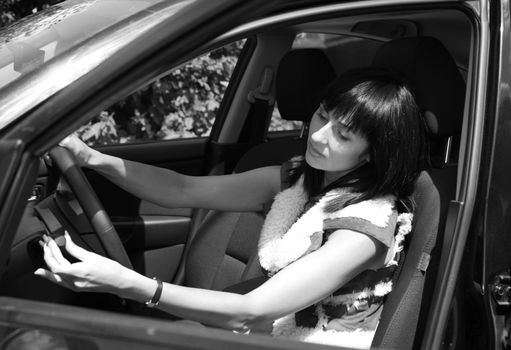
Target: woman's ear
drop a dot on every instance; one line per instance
(365, 157)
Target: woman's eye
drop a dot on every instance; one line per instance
(322, 113)
(342, 134)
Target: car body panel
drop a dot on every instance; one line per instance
(46, 115)
(464, 203)
(36, 39)
(103, 330)
(41, 122)
(499, 172)
(190, 153)
(78, 62)
(491, 232)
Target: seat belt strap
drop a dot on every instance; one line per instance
(261, 105)
(262, 92)
(50, 221)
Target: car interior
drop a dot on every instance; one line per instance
(279, 68)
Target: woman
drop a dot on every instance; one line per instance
(338, 227)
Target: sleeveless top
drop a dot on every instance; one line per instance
(292, 229)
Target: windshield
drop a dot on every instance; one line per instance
(37, 39)
(61, 46)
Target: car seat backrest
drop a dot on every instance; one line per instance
(437, 84)
(223, 251)
(301, 77)
(440, 91)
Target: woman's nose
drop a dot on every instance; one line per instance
(319, 136)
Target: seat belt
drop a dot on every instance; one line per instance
(258, 118)
(261, 105)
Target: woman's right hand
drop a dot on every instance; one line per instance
(81, 152)
(91, 273)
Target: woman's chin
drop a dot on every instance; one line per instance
(308, 159)
(312, 161)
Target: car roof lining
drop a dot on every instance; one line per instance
(430, 23)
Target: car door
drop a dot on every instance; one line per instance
(185, 155)
(19, 315)
(486, 282)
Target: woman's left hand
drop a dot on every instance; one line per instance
(92, 273)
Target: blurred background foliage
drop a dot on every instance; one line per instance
(12, 10)
(180, 104)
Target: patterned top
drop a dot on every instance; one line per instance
(349, 316)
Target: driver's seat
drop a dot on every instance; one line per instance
(440, 92)
(398, 324)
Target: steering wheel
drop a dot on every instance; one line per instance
(92, 207)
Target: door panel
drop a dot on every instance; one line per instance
(183, 155)
(25, 324)
(154, 236)
(151, 231)
(155, 243)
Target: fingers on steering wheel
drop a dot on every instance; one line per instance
(65, 141)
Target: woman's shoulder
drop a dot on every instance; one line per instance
(376, 217)
(376, 210)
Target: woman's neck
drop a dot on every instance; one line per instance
(331, 176)
(327, 180)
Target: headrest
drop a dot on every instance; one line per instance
(434, 76)
(301, 77)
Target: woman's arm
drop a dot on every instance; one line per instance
(304, 282)
(238, 192)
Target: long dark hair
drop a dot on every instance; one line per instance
(381, 107)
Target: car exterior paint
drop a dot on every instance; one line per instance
(478, 213)
(70, 65)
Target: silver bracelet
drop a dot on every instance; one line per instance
(157, 294)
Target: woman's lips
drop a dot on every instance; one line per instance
(314, 152)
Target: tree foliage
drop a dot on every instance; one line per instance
(12, 10)
(181, 104)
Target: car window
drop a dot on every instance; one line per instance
(182, 104)
(278, 124)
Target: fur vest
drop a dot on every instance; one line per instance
(288, 235)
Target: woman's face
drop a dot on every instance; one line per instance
(332, 148)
